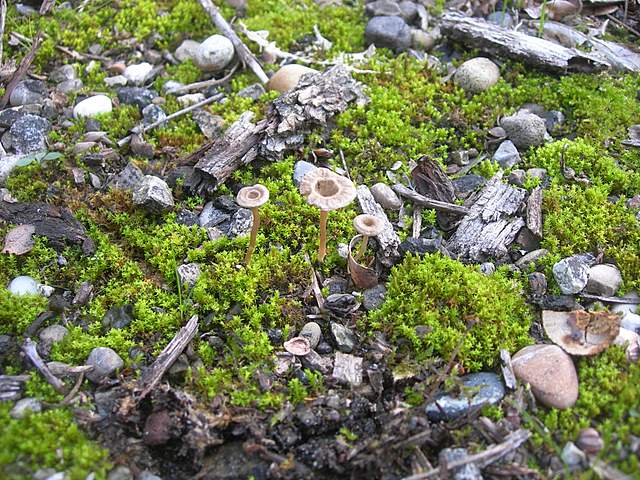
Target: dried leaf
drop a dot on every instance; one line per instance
(19, 240)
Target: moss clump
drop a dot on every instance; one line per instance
(444, 295)
(17, 312)
(49, 439)
(27, 184)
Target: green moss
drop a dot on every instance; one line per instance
(444, 296)
(17, 312)
(50, 439)
(27, 184)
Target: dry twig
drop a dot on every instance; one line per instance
(3, 19)
(30, 350)
(22, 70)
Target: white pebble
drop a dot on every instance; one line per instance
(92, 106)
(23, 285)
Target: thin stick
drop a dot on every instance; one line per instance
(30, 350)
(623, 25)
(241, 49)
(206, 83)
(254, 235)
(139, 129)
(3, 18)
(21, 71)
(322, 250)
(423, 201)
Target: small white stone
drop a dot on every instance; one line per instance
(186, 50)
(117, 81)
(215, 53)
(190, 99)
(477, 75)
(138, 74)
(92, 106)
(24, 285)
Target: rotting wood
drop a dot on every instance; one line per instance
(22, 70)
(534, 212)
(11, 386)
(241, 49)
(167, 357)
(56, 223)
(533, 51)
(29, 347)
(491, 224)
(388, 239)
(316, 99)
(430, 180)
(423, 201)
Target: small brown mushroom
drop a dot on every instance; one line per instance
(327, 191)
(253, 197)
(367, 226)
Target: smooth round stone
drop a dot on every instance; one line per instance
(137, 74)
(53, 334)
(550, 372)
(604, 280)
(525, 129)
(487, 389)
(104, 361)
(25, 406)
(311, 331)
(477, 75)
(187, 50)
(287, 77)
(92, 106)
(388, 32)
(24, 285)
(214, 54)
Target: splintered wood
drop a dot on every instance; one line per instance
(388, 239)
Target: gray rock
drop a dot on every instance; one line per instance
(503, 19)
(154, 194)
(373, 298)
(525, 129)
(30, 134)
(28, 92)
(128, 178)
(507, 154)
(171, 85)
(70, 86)
(25, 406)
(422, 40)
(241, 223)
(253, 92)
(136, 96)
(92, 106)
(420, 246)
(531, 257)
(118, 317)
(630, 321)
(189, 274)
(7, 164)
(210, 125)
(477, 75)
(9, 116)
(44, 474)
(137, 74)
(383, 8)
(408, 10)
(212, 216)
(487, 389)
(624, 308)
(385, 196)
(487, 268)
(573, 457)
(105, 362)
(463, 186)
(187, 217)
(300, 169)
(539, 173)
(120, 473)
(152, 114)
(312, 332)
(214, 54)
(344, 338)
(23, 285)
(537, 283)
(516, 177)
(186, 50)
(388, 32)
(117, 81)
(571, 274)
(341, 303)
(604, 280)
(53, 334)
(347, 369)
(63, 73)
(468, 471)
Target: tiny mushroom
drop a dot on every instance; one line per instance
(253, 197)
(367, 226)
(327, 191)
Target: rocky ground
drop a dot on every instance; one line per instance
(169, 188)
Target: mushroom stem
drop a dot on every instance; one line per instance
(363, 246)
(254, 235)
(322, 250)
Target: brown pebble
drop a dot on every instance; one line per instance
(157, 428)
(589, 441)
(288, 77)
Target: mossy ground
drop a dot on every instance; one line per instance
(412, 113)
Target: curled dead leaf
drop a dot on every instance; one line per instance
(580, 332)
(363, 277)
(19, 240)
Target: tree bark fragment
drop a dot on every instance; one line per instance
(534, 212)
(388, 239)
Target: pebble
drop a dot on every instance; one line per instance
(630, 321)
(137, 74)
(589, 441)
(531, 258)
(537, 284)
(209, 124)
(154, 194)
(604, 279)
(300, 169)
(24, 406)
(120, 472)
(30, 134)
(388, 32)
(487, 268)
(419, 246)
(214, 54)
(189, 274)
(141, 97)
(373, 298)
(341, 303)
(253, 92)
(507, 154)
(28, 92)
(212, 216)
(171, 85)
(241, 223)
(118, 317)
(312, 332)
(550, 372)
(347, 369)
(344, 338)
(23, 285)
(385, 196)
(128, 178)
(383, 8)
(104, 361)
(573, 457)
(190, 99)
(53, 334)
(92, 106)
(463, 186)
(477, 75)
(422, 40)
(187, 50)
(117, 81)
(152, 114)
(147, 475)
(287, 77)
(70, 86)
(467, 471)
(502, 19)
(485, 388)
(525, 129)
(157, 428)
(63, 73)
(572, 274)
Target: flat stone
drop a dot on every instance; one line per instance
(137, 74)
(288, 76)
(388, 32)
(312, 332)
(189, 274)
(105, 362)
(118, 317)
(92, 106)
(128, 178)
(25, 406)
(373, 298)
(572, 274)
(141, 97)
(253, 92)
(300, 169)
(573, 457)
(420, 245)
(63, 73)
(550, 372)
(154, 194)
(29, 134)
(187, 50)
(341, 303)
(485, 388)
(507, 154)
(214, 54)
(187, 217)
(525, 129)
(531, 258)
(604, 279)
(385, 196)
(53, 334)
(477, 75)
(210, 125)
(9, 116)
(344, 338)
(347, 369)
(28, 92)
(212, 216)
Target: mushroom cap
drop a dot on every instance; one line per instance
(580, 332)
(368, 225)
(327, 190)
(253, 196)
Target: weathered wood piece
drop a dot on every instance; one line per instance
(167, 357)
(56, 223)
(423, 201)
(430, 180)
(241, 49)
(491, 225)
(11, 386)
(30, 350)
(316, 99)
(388, 240)
(531, 50)
(534, 212)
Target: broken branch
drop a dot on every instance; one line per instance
(30, 350)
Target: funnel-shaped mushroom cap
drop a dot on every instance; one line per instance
(253, 196)
(368, 225)
(327, 190)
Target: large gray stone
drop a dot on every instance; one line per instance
(154, 194)
(128, 178)
(105, 362)
(525, 129)
(28, 92)
(30, 134)
(388, 32)
(214, 54)
(373, 298)
(24, 407)
(477, 75)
